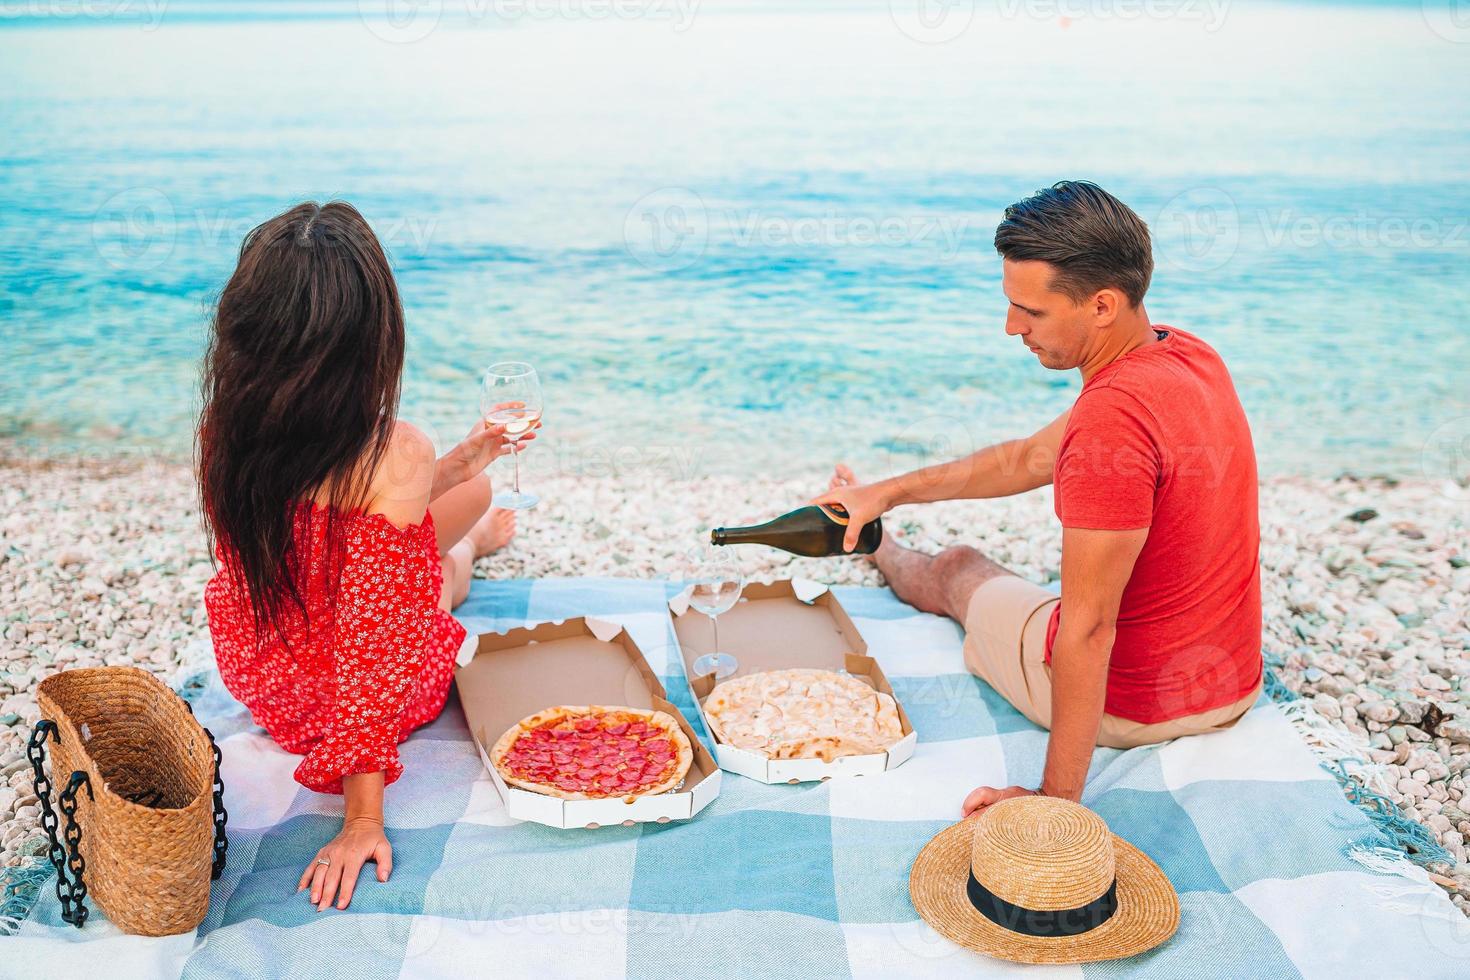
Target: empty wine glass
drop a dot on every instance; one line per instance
(510, 396)
(714, 583)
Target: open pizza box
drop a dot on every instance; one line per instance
(790, 623)
(505, 677)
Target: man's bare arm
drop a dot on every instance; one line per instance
(1096, 566)
(996, 471)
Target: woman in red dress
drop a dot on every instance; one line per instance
(342, 542)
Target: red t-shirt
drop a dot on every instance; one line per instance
(1158, 439)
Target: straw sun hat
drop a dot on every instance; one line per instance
(1036, 879)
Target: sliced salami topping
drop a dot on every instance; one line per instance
(603, 754)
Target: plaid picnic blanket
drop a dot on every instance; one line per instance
(797, 881)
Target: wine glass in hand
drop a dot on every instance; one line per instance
(511, 396)
(714, 583)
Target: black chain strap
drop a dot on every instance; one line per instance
(66, 893)
(221, 839)
(67, 801)
(36, 752)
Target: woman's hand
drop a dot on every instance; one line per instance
(484, 445)
(361, 840)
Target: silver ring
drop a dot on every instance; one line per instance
(324, 862)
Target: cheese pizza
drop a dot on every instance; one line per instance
(593, 753)
(803, 714)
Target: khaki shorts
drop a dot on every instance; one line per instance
(1005, 645)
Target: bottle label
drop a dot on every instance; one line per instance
(835, 513)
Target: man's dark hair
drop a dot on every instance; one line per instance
(1091, 238)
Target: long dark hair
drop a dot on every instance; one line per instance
(301, 382)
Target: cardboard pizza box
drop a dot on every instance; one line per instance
(776, 625)
(504, 677)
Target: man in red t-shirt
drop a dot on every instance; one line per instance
(1157, 631)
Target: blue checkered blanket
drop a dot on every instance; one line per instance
(798, 881)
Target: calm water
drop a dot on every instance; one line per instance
(736, 237)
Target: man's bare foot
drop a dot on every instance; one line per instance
(493, 531)
(843, 476)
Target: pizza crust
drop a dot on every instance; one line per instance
(803, 714)
(667, 724)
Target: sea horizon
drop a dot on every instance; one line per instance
(701, 275)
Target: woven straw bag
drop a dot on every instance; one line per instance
(139, 792)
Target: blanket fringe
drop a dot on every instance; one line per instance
(1386, 861)
(20, 886)
(1364, 783)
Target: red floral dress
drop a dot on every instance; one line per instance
(375, 662)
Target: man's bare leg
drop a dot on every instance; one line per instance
(940, 584)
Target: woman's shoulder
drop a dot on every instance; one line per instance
(400, 485)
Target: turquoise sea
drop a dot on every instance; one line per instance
(734, 236)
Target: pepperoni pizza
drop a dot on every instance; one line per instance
(594, 753)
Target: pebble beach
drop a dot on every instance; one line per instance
(1366, 587)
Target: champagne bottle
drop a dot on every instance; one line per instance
(814, 532)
